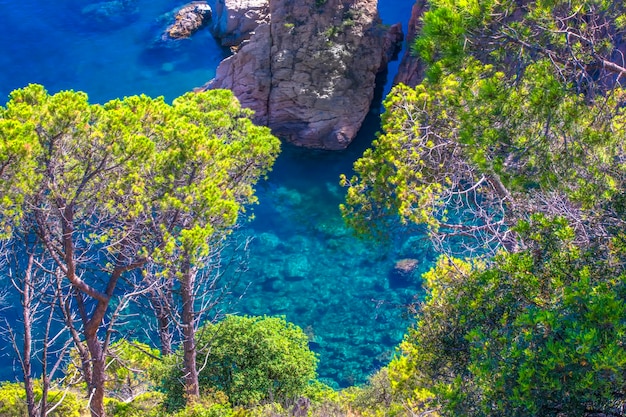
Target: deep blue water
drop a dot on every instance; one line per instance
(304, 263)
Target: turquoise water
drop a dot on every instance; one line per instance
(303, 263)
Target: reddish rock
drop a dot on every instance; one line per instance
(411, 70)
(310, 73)
(248, 74)
(392, 44)
(234, 21)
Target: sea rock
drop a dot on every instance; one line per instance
(235, 20)
(287, 196)
(402, 273)
(188, 20)
(392, 43)
(411, 69)
(267, 242)
(405, 266)
(297, 267)
(248, 74)
(310, 73)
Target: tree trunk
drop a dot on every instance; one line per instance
(165, 335)
(98, 375)
(161, 302)
(27, 297)
(192, 389)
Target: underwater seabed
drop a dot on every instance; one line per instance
(347, 293)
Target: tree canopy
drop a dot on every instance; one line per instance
(537, 332)
(104, 189)
(511, 153)
(520, 112)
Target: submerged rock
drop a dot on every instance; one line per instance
(405, 266)
(297, 267)
(234, 21)
(109, 14)
(268, 242)
(188, 20)
(310, 73)
(403, 272)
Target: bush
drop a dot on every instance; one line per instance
(148, 404)
(128, 364)
(373, 399)
(538, 332)
(211, 405)
(13, 401)
(250, 359)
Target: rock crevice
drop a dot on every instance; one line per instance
(411, 69)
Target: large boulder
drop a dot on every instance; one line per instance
(235, 20)
(248, 74)
(310, 73)
(188, 20)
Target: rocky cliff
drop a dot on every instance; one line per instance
(411, 70)
(236, 20)
(310, 72)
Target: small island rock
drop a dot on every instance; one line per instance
(310, 73)
(189, 19)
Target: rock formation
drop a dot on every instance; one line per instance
(309, 74)
(411, 70)
(403, 273)
(235, 20)
(405, 266)
(189, 19)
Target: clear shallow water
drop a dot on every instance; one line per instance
(304, 263)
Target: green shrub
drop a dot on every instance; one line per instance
(128, 364)
(373, 399)
(250, 359)
(13, 401)
(148, 404)
(213, 405)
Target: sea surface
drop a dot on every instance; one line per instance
(302, 263)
